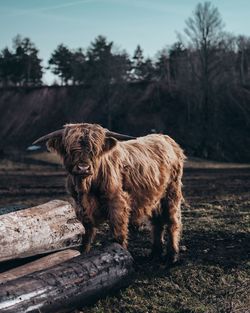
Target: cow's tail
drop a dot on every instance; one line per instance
(177, 169)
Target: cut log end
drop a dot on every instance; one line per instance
(49, 227)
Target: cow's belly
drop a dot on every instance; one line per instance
(144, 201)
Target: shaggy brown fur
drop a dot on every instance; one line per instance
(123, 181)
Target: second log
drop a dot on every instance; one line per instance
(69, 285)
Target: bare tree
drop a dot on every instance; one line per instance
(204, 31)
(243, 47)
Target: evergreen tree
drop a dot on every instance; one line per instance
(162, 66)
(28, 69)
(60, 63)
(177, 61)
(138, 64)
(7, 66)
(22, 66)
(148, 70)
(78, 66)
(107, 71)
(104, 65)
(100, 60)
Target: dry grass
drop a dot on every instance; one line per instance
(214, 273)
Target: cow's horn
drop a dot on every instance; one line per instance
(56, 133)
(119, 136)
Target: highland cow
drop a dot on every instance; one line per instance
(122, 179)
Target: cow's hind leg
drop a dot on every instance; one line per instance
(157, 223)
(171, 206)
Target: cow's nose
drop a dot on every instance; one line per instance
(84, 168)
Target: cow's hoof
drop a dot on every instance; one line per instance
(173, 259)
(156, 254)
(84, 249)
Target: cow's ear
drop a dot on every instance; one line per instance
(109, 144)
(55, 145)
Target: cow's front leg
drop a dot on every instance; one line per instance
(119, 211)
(88, 224)
(82, 214)
(88, 238)
(71, 187)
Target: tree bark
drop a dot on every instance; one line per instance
(69, 285)
(45, 228)
(38, 265)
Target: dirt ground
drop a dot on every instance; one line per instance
(214, 272)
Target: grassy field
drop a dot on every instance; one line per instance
(214, 272)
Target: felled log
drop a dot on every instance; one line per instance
(37, 265)
(68, 285)
(45, 228)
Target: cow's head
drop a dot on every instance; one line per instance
(81, 145)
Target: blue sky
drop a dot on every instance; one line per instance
(151, 23)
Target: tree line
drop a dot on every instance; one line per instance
(206, 69)
(204, 52)
(22, 66)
